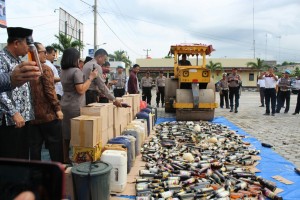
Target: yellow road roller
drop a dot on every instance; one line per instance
(191, 91)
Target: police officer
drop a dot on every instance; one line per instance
(223, 87)
(119, 81)
(284, 85)
(234, 82)
(160, 83)
(146, 84)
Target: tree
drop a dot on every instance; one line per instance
(259, 65)
(65, 42)
(120, 55)
(214, 67)
(297, 71)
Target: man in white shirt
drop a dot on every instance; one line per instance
(270, 91)
(261, 84)
(51, 53)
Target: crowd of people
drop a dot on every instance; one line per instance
(37, 105)
(274, 92)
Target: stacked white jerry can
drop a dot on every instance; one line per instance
(142, 123)
(118, 175)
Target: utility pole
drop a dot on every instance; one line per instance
(253, 34)
(147, 50)
(95, 26)
(266, 52)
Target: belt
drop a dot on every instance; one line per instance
(283, 90)
(225, 89)
(119, 88)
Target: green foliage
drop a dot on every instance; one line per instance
(258, 65)
(120, 55)
(65, 42)
(214, 67)
(297, 72)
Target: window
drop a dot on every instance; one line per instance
(251, 77)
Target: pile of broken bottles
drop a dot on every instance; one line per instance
(200, 160)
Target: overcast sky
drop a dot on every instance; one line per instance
(137, 25)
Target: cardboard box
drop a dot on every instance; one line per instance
(85, 154)
(85, 130)
(135, 103)
(105, 110)
(128, 100)
(110, 132)
(117, 122)
(69, 191)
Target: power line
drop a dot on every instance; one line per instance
(117, 36)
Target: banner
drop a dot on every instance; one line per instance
(2, 14)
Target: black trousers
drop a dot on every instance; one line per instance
(284, 96)
(146, 96)
(119, 92)
(14, 142)
(234, 92)
(91, 96)
(160, 95)
(103, 100)
(262, 95)
(297, 109)
(270, 97)
(224, 96)
(51, 133)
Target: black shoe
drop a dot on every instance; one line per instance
(231, 110)
(227, 108)
(273, 114)
(267, 114)
(295, 113)
(285, 112)
(261, 106)
(236, 111)
(277, 111)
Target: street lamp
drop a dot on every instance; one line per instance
(98, 45)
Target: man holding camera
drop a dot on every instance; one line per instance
(270, 91)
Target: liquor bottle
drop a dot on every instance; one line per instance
(268, 184)
(270, 194)
(240, 186)
(33, 55)
(125, 105)
(266, 145)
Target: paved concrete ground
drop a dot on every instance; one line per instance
(281, 130)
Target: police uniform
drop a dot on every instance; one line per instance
(270, 93)
(119, 87)
(160, 90)
(223, 87)
(14, 141)
(284, 85)
(234, 91)
(146, 84)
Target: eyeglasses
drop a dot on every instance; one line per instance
(45, 52)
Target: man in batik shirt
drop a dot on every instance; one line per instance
(15, 106)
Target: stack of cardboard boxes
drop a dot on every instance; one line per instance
(98, 123)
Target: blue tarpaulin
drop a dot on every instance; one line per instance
(271, 163)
